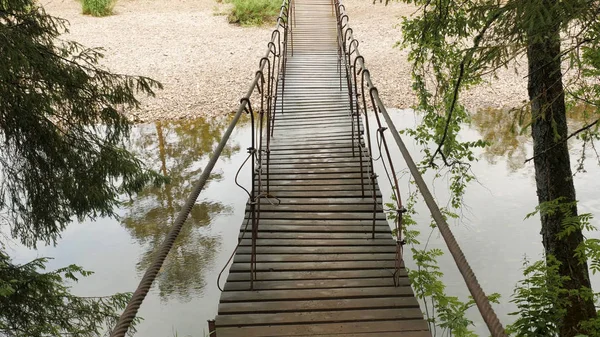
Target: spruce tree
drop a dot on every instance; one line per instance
(62, 157)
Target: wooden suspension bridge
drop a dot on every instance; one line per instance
(319, 270)
(316, 256)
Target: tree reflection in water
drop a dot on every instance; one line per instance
(502, 130)
(179, 149)
(509, 136)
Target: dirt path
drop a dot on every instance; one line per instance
(206, 63)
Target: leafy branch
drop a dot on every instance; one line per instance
(564, 140)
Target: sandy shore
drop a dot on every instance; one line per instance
(206, 64)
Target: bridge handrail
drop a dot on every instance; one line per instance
(481, 300)
(127, 317)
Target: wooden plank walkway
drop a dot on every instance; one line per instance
(319, 271)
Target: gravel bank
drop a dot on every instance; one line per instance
(376, 27)
(206, 63)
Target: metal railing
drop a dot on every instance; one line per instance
(270, 72)
(355, 68)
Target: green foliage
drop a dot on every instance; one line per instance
(539, 299)
(61, 127)
(444, 312)
(254, 12)
(97, 7)
(39, 304)
(454, 45)
(589, 249)
(63, 157)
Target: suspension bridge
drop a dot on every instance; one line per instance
(315, 254)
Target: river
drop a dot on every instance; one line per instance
(491, 231)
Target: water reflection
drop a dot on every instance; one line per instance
(492, 233)
(503, 131)
(179, 149)
(509, 135)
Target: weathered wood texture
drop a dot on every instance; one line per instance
(325, 254)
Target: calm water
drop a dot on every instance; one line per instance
(492, 232)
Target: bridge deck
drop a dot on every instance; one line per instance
(319, 271)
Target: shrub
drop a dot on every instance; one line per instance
(254, 12)
(98, 7)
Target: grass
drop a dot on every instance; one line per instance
(254, 12)
(98, 7)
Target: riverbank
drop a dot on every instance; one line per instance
(206, 64)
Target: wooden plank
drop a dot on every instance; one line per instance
(317, 257)
(319, 284)
(321, 242)
(308, 159)
(321, 201)
(314, 165)
(311, 138)
(422, 333)
(345, 151)
(325, 304)
(311, 134)
(314, 294)
(313, 208)
(315, 132)
(316, 188)
(318, 250)
(312, 275)
(331, 116)
(315, 168)
(275, 146)
(282, 193)
(417, 325)
(315, 182)
(325, 229)
(317, 128)
(328, 265)
(310, 173)
(281, 169)
(321, 222)
(314, 236)
(320, 317)
(322, 215)
(306, 141)
(314, 119)
(293, 143)
(274, 176)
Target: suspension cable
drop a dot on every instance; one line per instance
(487, 312)
(127, 317)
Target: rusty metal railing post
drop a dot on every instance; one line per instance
(212, 329)
(253, 199)
(395, 188)
(291, 17)
(360, 144)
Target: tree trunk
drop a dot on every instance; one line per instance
(554, 178)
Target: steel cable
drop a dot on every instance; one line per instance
(127, 317)
(487, 312)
